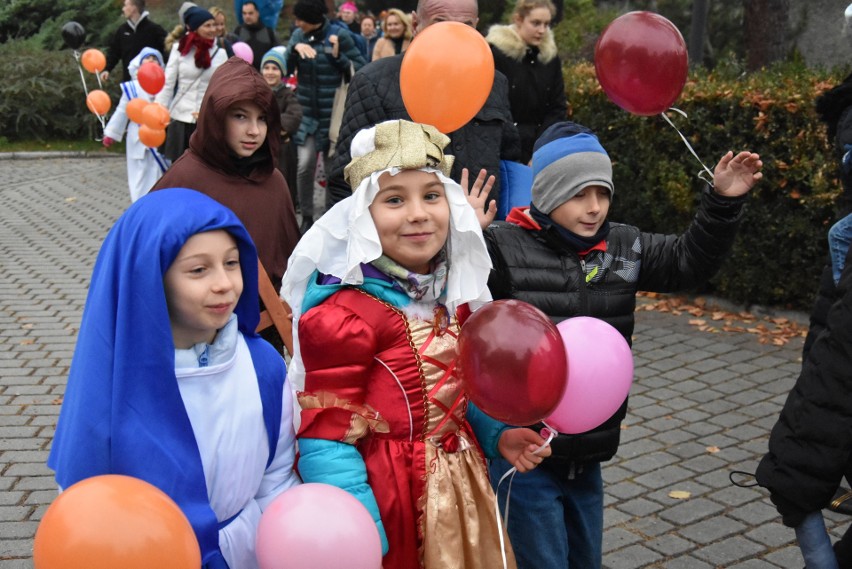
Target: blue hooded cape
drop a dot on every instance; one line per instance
(123, 412)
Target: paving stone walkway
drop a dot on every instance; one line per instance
(701, 406)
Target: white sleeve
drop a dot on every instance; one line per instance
(164, 97)
(118, 121)
(280, 475)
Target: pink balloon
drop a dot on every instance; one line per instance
(243, 51)
(317, 526)
(641, 62)
(600, 371)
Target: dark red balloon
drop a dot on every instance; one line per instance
(512, 362)
(151, 77)
(641, 62)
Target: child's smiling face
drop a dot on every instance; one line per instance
(584, 213)
(412, 218)
(202, 286)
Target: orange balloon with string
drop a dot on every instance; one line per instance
(439, 86)
(134, 109)
(98, 102)
(93, 60)
(151, 137)
(155, 116)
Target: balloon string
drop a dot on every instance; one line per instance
(705, 172)
(101, 118)
(510, 474)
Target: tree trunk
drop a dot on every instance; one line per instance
(766, 26)
(698, 32)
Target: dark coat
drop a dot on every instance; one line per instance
(375, 96)
(320, 77)
(291, 117)
(536, 88)
(259, 38)
(811, 444)
(535, 267)
(126, 43)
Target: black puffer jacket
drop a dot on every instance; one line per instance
(536, 88)
(810, 448)
(533, 266)
(374, 97)
(127, 42)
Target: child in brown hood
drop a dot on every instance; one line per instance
(232, 158)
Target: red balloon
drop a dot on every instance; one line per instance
(151, 77)
(512, 362)
(641, 62)
(112, 521)
(446, 75)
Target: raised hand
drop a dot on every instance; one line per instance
(477, 195)
(736, 175)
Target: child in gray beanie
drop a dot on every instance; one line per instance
(563, 256)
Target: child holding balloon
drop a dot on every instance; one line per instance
(169, 382)
(563, 256)
(378, 287)
(144, 165)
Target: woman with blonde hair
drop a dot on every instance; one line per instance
(525, 52)
(398, 32)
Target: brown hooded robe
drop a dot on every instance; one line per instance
(253, 188)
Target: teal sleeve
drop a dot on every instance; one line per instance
(340, 464)
(486, 429)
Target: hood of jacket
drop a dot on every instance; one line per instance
(136, 62)
(236, 81)
(506, 39)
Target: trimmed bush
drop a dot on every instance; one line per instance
(781, 247)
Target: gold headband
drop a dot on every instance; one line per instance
(404, 145)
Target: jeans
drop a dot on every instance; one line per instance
(815, 543)
(305, 174)
(554, 522)
(839, 238)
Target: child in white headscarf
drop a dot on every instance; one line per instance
(379, 287)
(144, 165)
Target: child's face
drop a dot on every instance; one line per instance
(202, 287)
(412, 218)
(245, 128)
(585, 212)
(151, 59)
(272, 74)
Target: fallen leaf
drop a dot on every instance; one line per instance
(27, 342)
(680, 494)
(698, 322)
(70, 200)
(713, 449)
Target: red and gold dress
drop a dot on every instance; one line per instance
(385, 382)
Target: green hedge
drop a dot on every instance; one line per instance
(781, 245)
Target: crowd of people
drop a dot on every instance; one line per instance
(379, 285)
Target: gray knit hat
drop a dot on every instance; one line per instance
(567, 157)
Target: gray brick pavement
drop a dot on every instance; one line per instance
(693, 391)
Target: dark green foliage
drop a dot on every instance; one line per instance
(42, 95)
(781, 247)
(43, 19)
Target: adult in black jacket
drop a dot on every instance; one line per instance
(252, 31)
(374, 97)
(562, 256)
(131, 36)
(524, 51)
(810, 448)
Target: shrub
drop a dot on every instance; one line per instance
(781, 245)
(42, 96)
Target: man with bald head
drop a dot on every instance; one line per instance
(374, 97)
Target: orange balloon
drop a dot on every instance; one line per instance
(151, 137)
(446, 75)
(155, 116)
(112, 521)
(93, 60)
(98, 102)
(134, 109)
